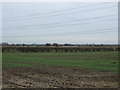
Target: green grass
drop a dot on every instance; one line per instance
(100, 61)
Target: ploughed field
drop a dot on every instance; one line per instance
(60, 69)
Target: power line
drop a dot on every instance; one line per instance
(63, 13)
(76, 20)
(69, 9)
(68, 33)
(69, 24)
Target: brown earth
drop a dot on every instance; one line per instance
(57, 77)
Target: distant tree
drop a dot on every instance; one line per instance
(101, 44)
(55, 44)
(66, 44)
(23, 44)
(17, 44)
(12, 44)
(48, 44)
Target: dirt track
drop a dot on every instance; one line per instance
(57, 77)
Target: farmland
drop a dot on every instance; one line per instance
(60, 69)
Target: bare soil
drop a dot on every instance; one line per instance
(57, 77)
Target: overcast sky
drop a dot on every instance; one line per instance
(50, 22)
